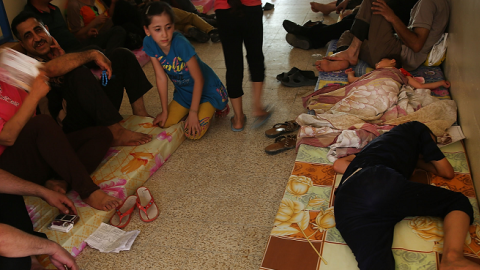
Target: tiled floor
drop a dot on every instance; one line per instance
(218, 196)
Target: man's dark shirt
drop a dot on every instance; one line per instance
(56, 25)
(398, 149)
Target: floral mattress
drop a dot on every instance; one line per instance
(121, 172)
(304, 226)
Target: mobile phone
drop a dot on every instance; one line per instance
(63, 223)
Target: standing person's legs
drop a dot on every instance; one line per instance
(43, 148)
(128, 74)
(14, 213)
(252, 32)
(229, 27)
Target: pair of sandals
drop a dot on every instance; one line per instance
(296, 78)
(282, 143)
(147, 208)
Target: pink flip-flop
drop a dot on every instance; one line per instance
(123, 213)
(147, 208)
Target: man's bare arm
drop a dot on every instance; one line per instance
(15, 243)
(11, 184)
(413, 39)
(68, 62)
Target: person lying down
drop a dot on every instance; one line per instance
(375, 193)
(370, 96)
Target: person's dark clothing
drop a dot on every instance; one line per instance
(14, 213)
(56, 25)
(398, 149)
(235, 31)
(321, 34)
(375, 194)
(91, 104)
(42, 152)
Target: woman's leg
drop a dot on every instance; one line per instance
(229, 27)
(41, 151)
(205, 115)
(175, 113)
(252, 33)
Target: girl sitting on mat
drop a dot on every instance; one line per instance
(198, 90)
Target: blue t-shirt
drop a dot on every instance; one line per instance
(175, 65)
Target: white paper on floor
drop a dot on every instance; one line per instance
(108, 238)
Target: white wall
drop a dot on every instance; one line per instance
(462, 68)
(13, 7)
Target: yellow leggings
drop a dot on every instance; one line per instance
(176, 112)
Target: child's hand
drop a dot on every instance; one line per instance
(350, 71)
(192, 124)
(446, 84)
(161, 119)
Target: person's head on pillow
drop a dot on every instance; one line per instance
(32, 34)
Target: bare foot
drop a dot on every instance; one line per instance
(460, 263)
(36, 264)
(323, 8)
(344, 55)
(328, 65)
(238, 122)
(101, 201)
(57, 185)
(125, 137)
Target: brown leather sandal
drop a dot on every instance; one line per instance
(282, 128)
(281, 144)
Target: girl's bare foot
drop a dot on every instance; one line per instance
(102, 201)
(57, 185)
(36, 264)
(238, 122)
(125, 137)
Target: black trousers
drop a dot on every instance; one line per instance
(373, 200)
(14, 213)
(91, 104)
(321, 34)
(42, 152)
(235, 31)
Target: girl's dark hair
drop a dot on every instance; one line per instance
(397, 58)
(236, 6)
(155, 9)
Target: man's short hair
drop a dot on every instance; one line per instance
(20, 18)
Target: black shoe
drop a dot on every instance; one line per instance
(294, 28)
(198, 35)
(214, 36)
(268, 6)
(298, 41)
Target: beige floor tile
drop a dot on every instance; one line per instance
(218, 196)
